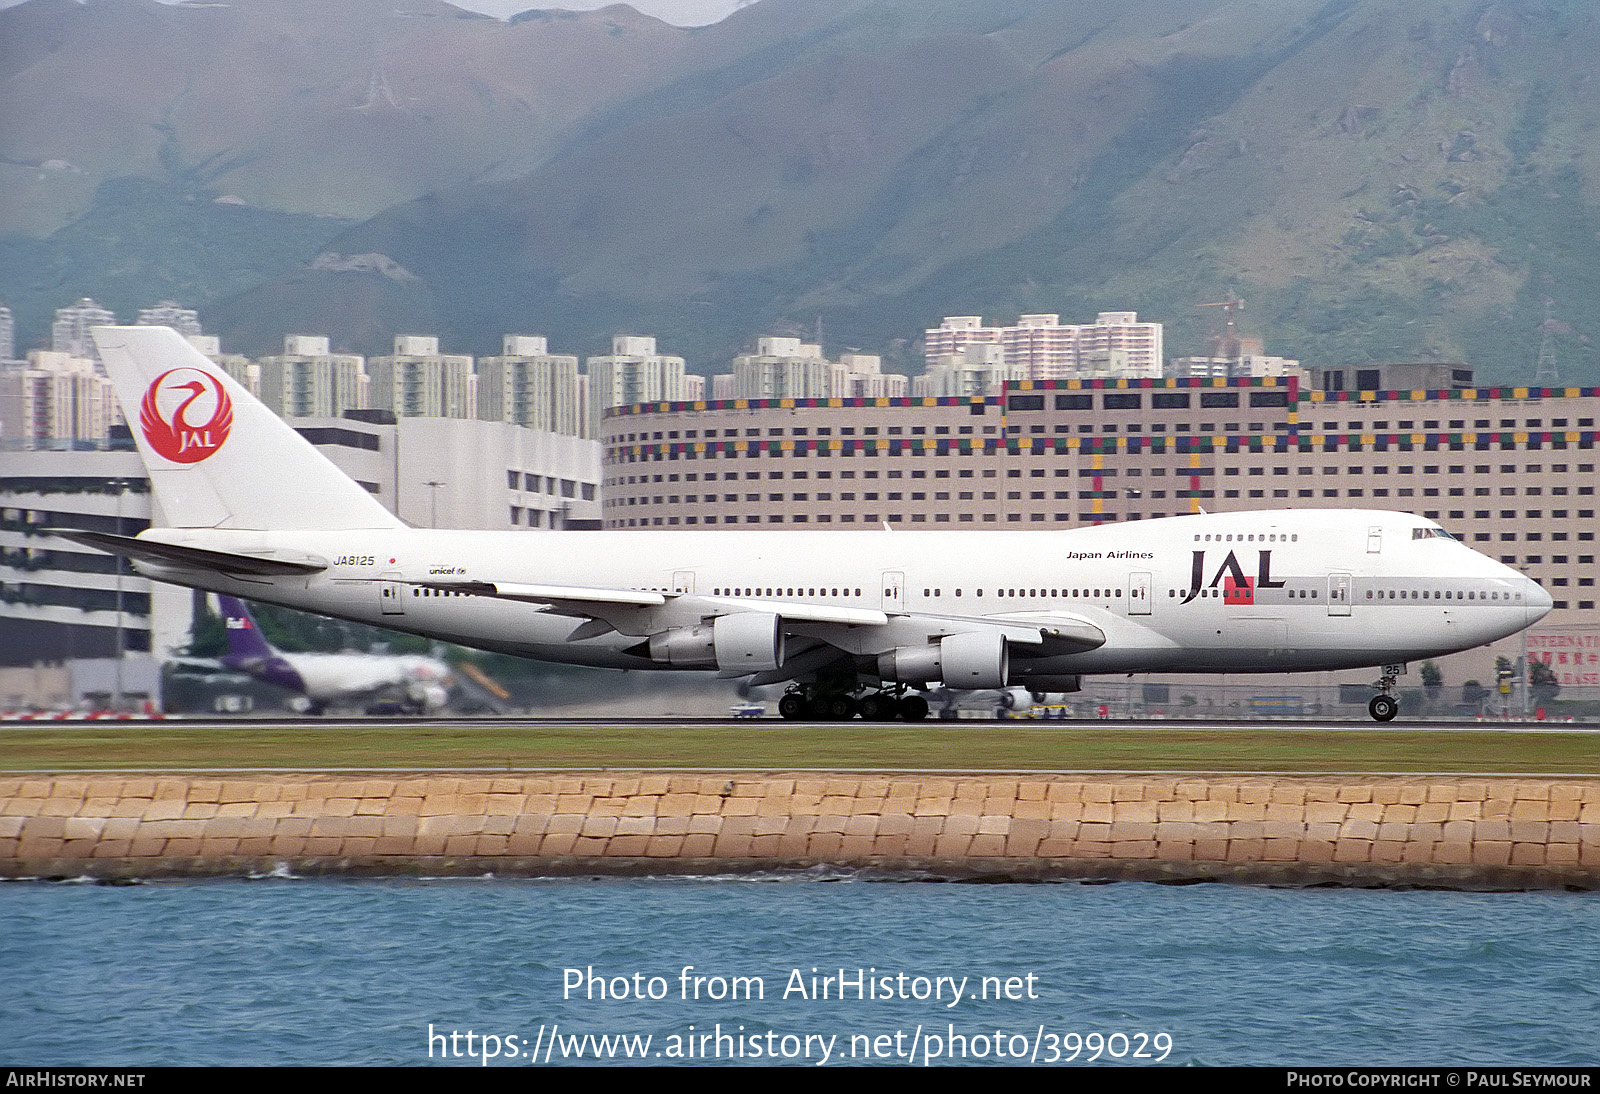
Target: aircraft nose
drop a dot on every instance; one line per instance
(1537, 600)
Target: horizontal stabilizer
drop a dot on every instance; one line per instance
(193, 558)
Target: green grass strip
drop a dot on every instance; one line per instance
(968, 746)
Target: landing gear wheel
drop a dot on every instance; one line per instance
(1383, 708)
(878, 707)
(794, 706)
(913, 708)
(837, 708)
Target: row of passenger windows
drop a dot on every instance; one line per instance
(1436, 594)
(1372, 594)
(789, 591)
(927, 592)
(1012, 518)
(932, 593)
(1253, 537)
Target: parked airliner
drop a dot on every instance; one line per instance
(858, 621)
(407, 683)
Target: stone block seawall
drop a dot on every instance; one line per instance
(1443, 831)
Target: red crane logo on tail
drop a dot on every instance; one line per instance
(185, 415)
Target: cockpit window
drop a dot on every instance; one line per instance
(1430, 533)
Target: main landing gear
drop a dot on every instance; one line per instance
(875, 706)
(1384, 705)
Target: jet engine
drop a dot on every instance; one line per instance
(748, 641)
(977, 659)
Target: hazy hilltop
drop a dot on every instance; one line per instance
(1378, 180)
(297, 105)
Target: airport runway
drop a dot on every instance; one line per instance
(1152, 725)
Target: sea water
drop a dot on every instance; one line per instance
(796, 970)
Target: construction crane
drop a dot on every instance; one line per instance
(1226, 345)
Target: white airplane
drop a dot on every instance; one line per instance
(999, 702)
(409, 683)
(856, 620)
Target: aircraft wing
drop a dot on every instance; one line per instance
(204, 665)
(580, 600)
(619, 609)
(807, 613)
(1057, 629)
(564, 599)
(274, 564)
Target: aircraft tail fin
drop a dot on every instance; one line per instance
(245, 640)
(217, 457)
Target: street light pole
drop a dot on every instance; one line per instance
(433, 502)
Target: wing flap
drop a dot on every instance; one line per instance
(575, 597)
(554, 595)
(806, 613)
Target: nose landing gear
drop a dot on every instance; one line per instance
(1384, 705)
(1383, 708)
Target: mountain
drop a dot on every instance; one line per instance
(1377, 181)
(298, 105)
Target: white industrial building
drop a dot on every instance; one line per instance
(453, 473)
(58, 600)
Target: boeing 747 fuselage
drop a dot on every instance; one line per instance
(857, 620)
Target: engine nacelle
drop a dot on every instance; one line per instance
(751, 641)
(688, 647)
(911, 664)
(978, 659)
(748, 641)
